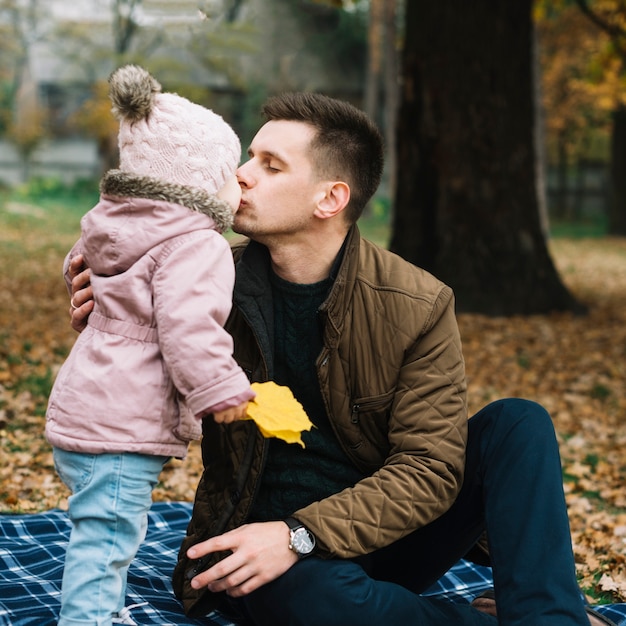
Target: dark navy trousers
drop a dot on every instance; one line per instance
(513, 489)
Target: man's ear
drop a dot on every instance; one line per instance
(332, 199)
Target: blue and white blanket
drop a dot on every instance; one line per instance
(32, 549)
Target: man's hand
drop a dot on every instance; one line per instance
(260, 554)
(81, 303)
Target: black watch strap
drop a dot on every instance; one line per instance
(293, 523)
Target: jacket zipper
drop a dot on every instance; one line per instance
(359, 407)
(354, 414)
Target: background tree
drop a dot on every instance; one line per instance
(610, 17)
(27, 127)
(22, 26)
(124, 24)
(221, 43)
(380, 99)
(578, 93)
(95, 119)
(466, 203)
(85, 49)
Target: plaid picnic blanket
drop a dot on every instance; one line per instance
(32, 549)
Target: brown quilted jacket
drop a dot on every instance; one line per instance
(393, 379)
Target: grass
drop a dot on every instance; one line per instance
(589, 228)
(59, 206)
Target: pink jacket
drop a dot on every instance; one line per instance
(162, 277)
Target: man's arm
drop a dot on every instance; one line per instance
(81, 302)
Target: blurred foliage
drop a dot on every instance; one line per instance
(581, 78)
(27, 129)
(335, 33)
(610, 17)
(222, 47)
(6, 100)
(21, 117)
(94, 117)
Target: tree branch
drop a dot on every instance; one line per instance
(616, 33)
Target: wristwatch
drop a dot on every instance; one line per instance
(301, 539)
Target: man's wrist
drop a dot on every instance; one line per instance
(301, 539)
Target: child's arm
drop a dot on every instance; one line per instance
(192, 295)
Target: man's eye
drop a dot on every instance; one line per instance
(271, 168)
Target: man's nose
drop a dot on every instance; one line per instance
(243, 175)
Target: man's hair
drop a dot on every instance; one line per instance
(347, 147)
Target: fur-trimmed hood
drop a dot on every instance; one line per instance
(136, 213)
(123, 184)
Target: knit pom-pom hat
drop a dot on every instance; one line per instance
(167, 137)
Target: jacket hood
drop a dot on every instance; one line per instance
(136, 213)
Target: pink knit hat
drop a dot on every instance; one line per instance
(169, 138)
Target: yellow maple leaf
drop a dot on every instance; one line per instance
(277, 413)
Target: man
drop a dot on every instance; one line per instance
(394, 484)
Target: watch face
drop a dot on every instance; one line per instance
(302, 541)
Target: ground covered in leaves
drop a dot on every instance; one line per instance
(574, 366)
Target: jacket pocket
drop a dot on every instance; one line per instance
(369, 419)
(188, 427)
(75, 469)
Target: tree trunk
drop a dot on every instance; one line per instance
(466, 202)
(617, 207)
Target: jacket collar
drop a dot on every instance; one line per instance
(252, 292)
(253, 264)
(345, 271)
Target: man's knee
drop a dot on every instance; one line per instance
(509, 413)
(512, 432)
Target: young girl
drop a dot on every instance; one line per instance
(154, 357)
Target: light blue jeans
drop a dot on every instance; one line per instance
(111, 497)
